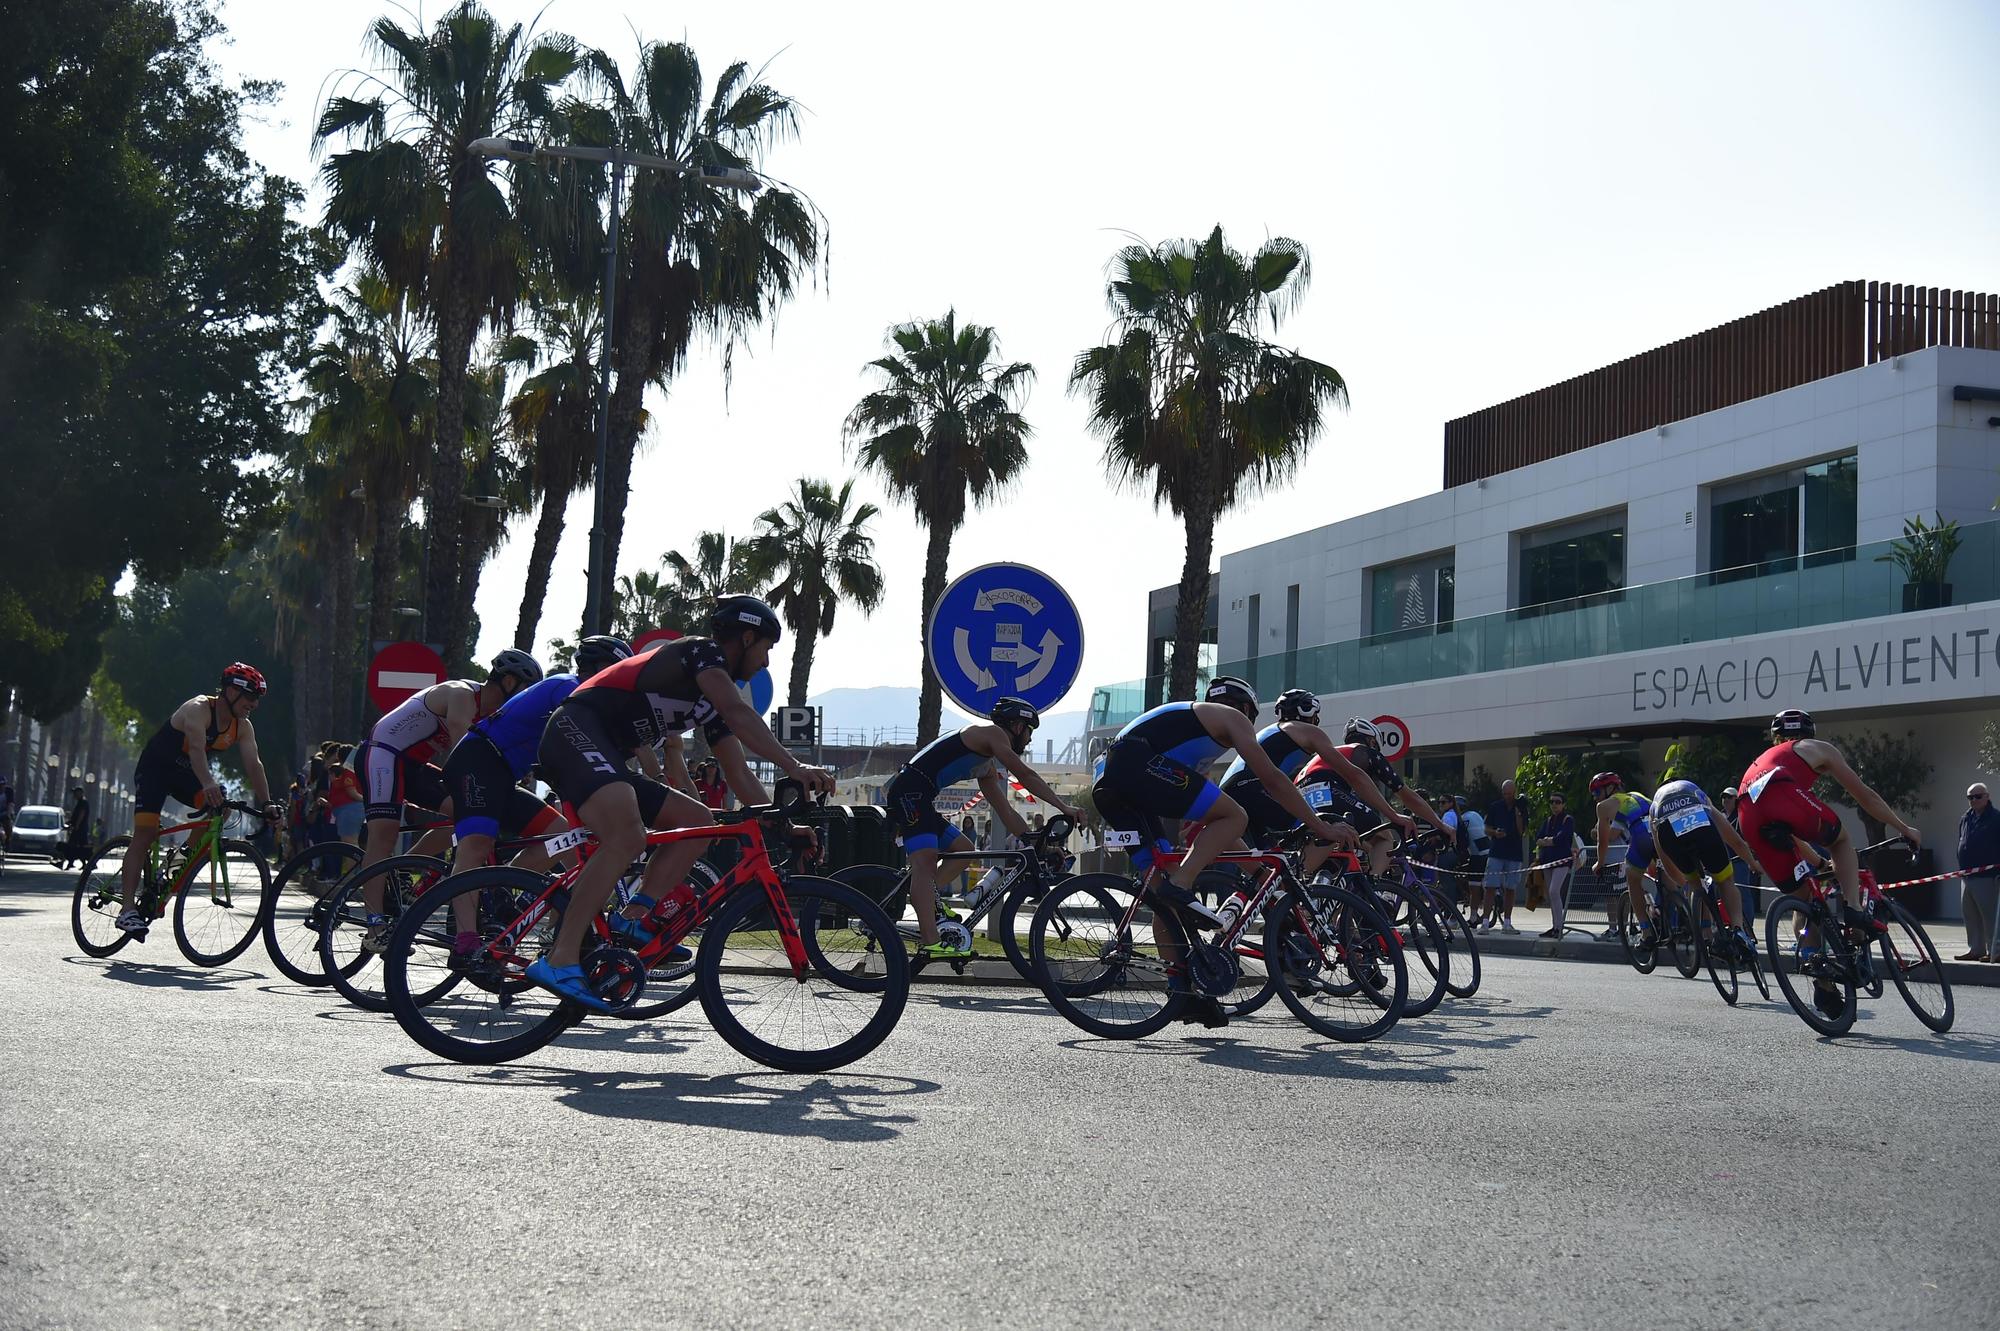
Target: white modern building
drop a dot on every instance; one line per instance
(1693, 572)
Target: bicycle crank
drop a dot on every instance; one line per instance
(616, 975)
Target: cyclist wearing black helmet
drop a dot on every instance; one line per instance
(1290, 742)
(635, 704)
(396, 764)
(979, 751)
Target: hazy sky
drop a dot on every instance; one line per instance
(1495, 197)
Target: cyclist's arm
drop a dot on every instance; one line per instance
(1238, 735)
(736, 773)
(1603, 831)
(668, 762)
(1355, 779)
(191, 719)
(997, 746)
(1827, 761)
(461, 709)
(994, 786)
(1733, 838)
(253, 766)
(749, 728)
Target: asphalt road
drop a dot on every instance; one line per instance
(1577, 1146)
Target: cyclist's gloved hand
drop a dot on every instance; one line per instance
(211, 797)
(274, 812)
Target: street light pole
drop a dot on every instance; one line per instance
(725, 177)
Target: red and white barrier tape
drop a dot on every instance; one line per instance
(1481, 873)
(1937, 877)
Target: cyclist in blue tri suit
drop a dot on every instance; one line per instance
(1694, 838)
(1289, 742)
(1631, 812)
(979, 752)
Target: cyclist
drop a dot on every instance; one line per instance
(484, 771)
(1340, 797)
(1783, 819)
(396, 768)
(1694, 838)
(609, 718)
(174, 764)
(1621, 807)
(1290, 742)
(977, 751)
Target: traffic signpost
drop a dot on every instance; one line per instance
(1005, 630)
(644, 640)
(1396, 739)
(400, 670)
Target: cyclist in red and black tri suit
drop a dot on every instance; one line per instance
(639, 702)
(1334, 797)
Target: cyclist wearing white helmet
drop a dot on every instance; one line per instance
(599, 728)
(395, 764)
(1339, 797)
(982, 752)
(1153, 772)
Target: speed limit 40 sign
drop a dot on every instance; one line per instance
(1396, 742)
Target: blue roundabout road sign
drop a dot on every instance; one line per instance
(1005, 630)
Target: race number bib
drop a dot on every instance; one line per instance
(569, 840)
(1319, 797)
(1114, 837)
(1686, 822)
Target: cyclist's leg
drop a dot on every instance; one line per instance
(1222, 822)
(924, 874)
(669, 868)
(612, 815)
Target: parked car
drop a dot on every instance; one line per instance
(38, 829)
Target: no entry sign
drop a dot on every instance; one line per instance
(401, 669)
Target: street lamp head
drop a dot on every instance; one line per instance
(730, 177)
(514, 150)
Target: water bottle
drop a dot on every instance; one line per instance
(1232, 909)
(628, 887)
(984, 891)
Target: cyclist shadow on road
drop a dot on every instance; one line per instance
(165, 977)
(1966, 1046)
(833, 1106)
(1371, 1062)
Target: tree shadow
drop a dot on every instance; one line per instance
(838, 1106)
(165, 977)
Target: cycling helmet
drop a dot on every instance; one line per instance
(600, 651)
(1360, 730)
(733, 614)
(246, 677)
(1009, 710)
(1604, 783)
(1298, 705)
(1792, 724)
(1233, 692)
(517, 663)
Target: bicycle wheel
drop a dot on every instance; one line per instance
(94, 910)
(670, 985)
(1256, 985)
(1340, 963)
(218, 913)
(1007, 924)
(1820, 964)
(1464, 971)
(795, 1023)
(404, 878)
(484, 1012)
(299, 905)
(1916, 969)
(1677, 932)
(1714, 950)
(886, 887)
(1642, 954)
(1425, 948)
(1104, 972)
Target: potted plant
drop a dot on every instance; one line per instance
(1923, 553)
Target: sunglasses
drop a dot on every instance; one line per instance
(1975, 798)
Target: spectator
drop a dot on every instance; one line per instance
(1746, 874)
(1506, 834)
(1472, 849)
(76, 831)
(1554, 846)
(1978, 847)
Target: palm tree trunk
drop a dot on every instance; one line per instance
(477, 540)
(385, 557)
(541, 560)
(930, 702)
(344, 647)
(802, 662)
(444, 511)
(1191, 609)
(627, 400)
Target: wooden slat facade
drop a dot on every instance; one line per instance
(1839, 328)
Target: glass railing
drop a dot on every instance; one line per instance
(1824, 588)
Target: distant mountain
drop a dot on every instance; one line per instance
(888, 713)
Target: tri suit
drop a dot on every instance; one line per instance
(394, 762)
(1337, 802)
(632, 705)
(1153, 770)
(1778, 804)
(1632, 814)
(166, 770)
(912, 796)
(1267, 816)
(1683, 826)
(483, 775)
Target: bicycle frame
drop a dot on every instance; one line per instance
(204, 849)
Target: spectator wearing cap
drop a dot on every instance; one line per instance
(1979, 848)
(1746, 874)
(1555, 846)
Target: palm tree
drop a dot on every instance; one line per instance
(815, 553)
(1190, 400)
(500, 478)
(943, 429)
(695, 258)
(427, 212)
(552, 417)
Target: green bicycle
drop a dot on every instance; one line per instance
(213, 921)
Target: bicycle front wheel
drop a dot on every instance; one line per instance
(402, 878)
(1101, 955)
(298, 907)
(1715, 951)
(218, 913)
(1339, 963)
(94, 910)
(1641, 952)
(1426, 949)
(811, 1022)
(1916, 969)
(1463, 972)
(476, 1008)
(1813, 964)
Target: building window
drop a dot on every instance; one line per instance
(1415, 594)
(1575, 561)
(1767, 523)
(1254, 647)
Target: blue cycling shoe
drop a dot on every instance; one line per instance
(634, 931)
(566, 982)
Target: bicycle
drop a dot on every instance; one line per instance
(1832, 948)
(1720, 951)
(299, 905)
(212, 927)
(1459, 980)
(1023, 879)
(761, 974)
(1672, 925)
(1101, 953)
